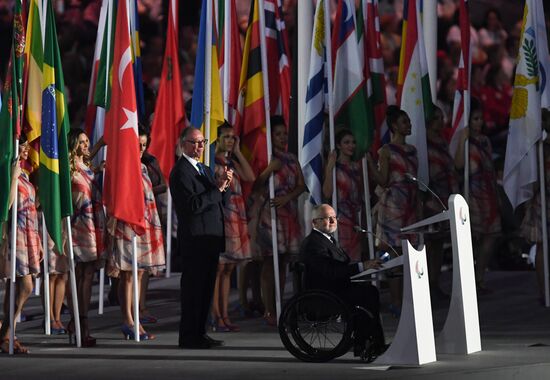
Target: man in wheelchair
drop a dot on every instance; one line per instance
(327, 267)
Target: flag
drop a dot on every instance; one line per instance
(373, 68)
(531, 93)
(136, 59)
(54, 187)
(204, 85)
(278, 66)
(123, 187)
(10, 108)
(311, 160)
(169, 118)
(230, 60)
(99, 91)
(413, 85)
(34, 53)
(251, 101)
(461, 106)
(350, 97)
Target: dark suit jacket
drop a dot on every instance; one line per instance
(326, 265)
(198, 203)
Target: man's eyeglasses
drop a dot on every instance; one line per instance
(199, 142)
(331, 219)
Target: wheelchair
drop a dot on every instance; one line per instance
(317, 326)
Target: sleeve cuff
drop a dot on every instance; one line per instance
(360, 266)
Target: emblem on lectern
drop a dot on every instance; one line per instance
(419, 270)
(463, 218)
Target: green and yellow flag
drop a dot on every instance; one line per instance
(10, 110)
(54, 175)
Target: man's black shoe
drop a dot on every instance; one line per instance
(214, 342)
(199, 344)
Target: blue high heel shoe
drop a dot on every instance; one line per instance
(128, 332)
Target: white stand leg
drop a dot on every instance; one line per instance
(461, 334)
(414, 342)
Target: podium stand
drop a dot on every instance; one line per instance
(460, 334)
(413, 343)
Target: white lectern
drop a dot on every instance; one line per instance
(413, 343)
(460, 335)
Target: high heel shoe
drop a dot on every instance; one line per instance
(85, 339)
(231, 326)
(57, 328)
(219, 325)
(128, 332)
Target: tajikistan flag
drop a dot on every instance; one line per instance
(413, 94)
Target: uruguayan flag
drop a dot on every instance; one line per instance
(311, 160)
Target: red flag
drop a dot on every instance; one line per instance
(123, 191)
(169, 119)
(230, 62)
(278, 59)
(461, 113)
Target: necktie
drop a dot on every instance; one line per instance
(202, 171)
(333, 240)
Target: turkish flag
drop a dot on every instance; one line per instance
(169, 119)
(123, 188)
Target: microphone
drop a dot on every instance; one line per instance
(412, 178)
(361, 230)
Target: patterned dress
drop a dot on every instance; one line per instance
(29, 250)
(237, 240)
(57, 264)
(443, 176)
(349, 187)
(88, 220)
(397, 205)
(150, 245)
(532, 221)
(289, 232)
(484, 208)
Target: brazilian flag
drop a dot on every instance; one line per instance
(54, 175)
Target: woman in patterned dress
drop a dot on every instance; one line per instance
(58, 267)
(349, 187)
(444, 182)
(28, 248)
(289, 184)
(237, 240)
(398, 204)
(532, 221)
(150, 256)
(483, 203)
(159, 190)
(87, 226)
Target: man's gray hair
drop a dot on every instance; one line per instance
(316, 210)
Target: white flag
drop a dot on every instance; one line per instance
(530, 94)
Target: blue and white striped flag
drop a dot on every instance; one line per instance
(311, 160)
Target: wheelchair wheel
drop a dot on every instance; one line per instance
(316, 326)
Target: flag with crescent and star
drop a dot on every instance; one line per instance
(123, 190)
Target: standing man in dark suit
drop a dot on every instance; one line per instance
(327, 267)
(198, 199)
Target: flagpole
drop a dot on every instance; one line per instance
(330, 94)
(368, 209)
(274, 240)
(226, 56)
(169, 235)
(74, 296)
(47, 321)
(13, 247)
(101, 300)
(136, 287)
(544, 222)
(466, 117)
(207, 79)
(429, 26)
(305, 30)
